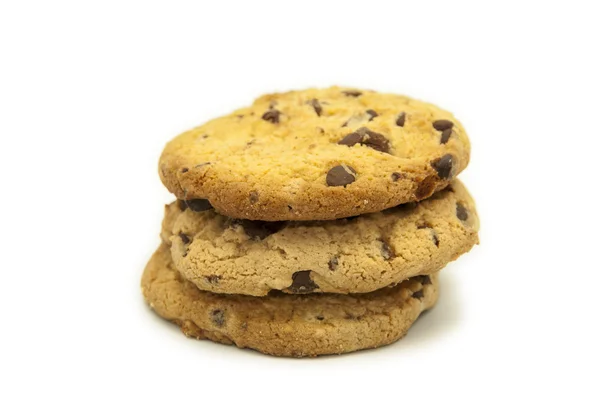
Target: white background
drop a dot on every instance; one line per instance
(91, 91)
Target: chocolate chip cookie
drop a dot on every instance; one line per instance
(355, 255)
(316, 154)
(287, 325)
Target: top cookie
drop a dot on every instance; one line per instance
(316, 154)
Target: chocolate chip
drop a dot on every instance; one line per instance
(386, 251)
(418, 294)
(333, 263)
(302, 283)
(320, 317)
(218, 317)
(184, 238)
(445, 136)
(316, 106)
(401, 119)
(185, 170)
(340, 175)
(213, 279)
(441, 125)
(253, 197)
(272, 115)
(181, 204)
(443, 166)
(426, 187)
(424, 279)
(372, 114)
(434, 238)
(352, 93)
(198, 204)
(396, 176)
(259, 230)
(461, 212)
(351, 139)
(366, 137)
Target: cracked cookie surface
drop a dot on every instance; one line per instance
(317, 154)
(287, 325)
(356, 255)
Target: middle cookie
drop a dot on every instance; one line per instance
(355, 255)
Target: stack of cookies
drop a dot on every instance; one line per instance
(311, 222)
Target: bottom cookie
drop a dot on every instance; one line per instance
(287, 325)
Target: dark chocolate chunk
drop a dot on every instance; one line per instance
(333, 263)
(443, 166)
(320, 317)
(372, 114)
(218, 317)
(352, 93)
(396, 176)
(316, 106)
(259, 230)
(185, 170)
(366, 137)
(340, 175)
(386, 251)
(184, 238)
(445, 136)
(253, 197)
(461, 212)
(351, 139)
(418, 294)
(212, 279)
(198, 204)
(302, 283)
(401, 119)
(272, 115)
(441, 125)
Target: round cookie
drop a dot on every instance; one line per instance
(316, 154)
(287, 325)
(357, 255)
